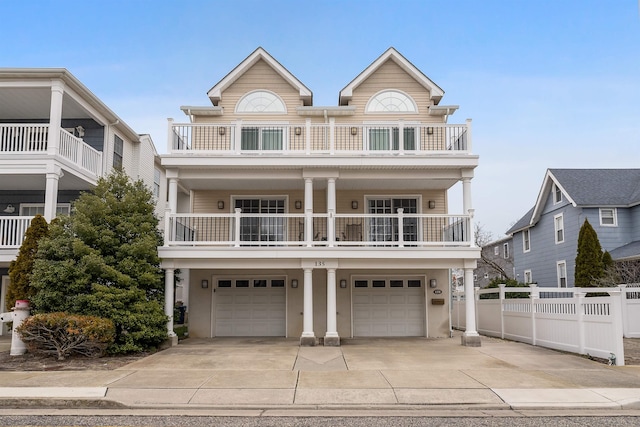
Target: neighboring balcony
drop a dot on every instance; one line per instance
(317, 230)
(240, 138)
(32, 139)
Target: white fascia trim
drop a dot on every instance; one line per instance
(443, 110)
(436, 92)
(342, 110)
(547, 185)
(215, 93)
(189, 110)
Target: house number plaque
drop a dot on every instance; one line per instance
(437, 291)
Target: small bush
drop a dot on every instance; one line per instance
(65, 334)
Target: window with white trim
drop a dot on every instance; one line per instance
(562, 274)
(262, 138)
(609, 217)
(33, 209)
(505, 250)
(118, 152)
(557, 194)
(528, 277)
(558, 224)
(156, 183)
(261, 101)
(391, 101)
(388, 138)
(496, 251)
(526, 240)
(270, 226)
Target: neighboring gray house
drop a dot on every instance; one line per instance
(545, 239)
(496, 261)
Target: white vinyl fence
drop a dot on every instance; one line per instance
(577, 320)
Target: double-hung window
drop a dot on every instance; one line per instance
(608, 217)
(156, 183)
(388, 138)
(558, 222)
(526, 240)
(118, 152)
(262, 138)
(562, 274)
(557, 194)
(505, 251)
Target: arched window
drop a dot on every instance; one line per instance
(261, 101)
(391, 101)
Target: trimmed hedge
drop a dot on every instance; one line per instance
(63, 334)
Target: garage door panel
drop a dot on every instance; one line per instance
(392, 312)
(250, 312)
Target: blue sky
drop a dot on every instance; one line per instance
(548, 83)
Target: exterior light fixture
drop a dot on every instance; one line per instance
(429, 131)
(220, 204)
(354, 204)
(298, 204)
(294, 283)
(433, 283)
(222, 130)
(354, 130)
(298, 130)
(432, 204)
(204, 283)
(343, 283)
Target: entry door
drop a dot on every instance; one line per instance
(385, 229)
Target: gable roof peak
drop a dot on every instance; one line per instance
(392, 54)
(215, 93)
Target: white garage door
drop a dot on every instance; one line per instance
(250, 308)
(388, 308)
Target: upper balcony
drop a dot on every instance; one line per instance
(18, 139)
(309, 139)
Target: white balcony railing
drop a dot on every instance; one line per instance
(393, 230)
(12, 230)
(33, 138)
(313, 139)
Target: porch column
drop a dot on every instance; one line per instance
(466, 195)
(55, 117)
(470, 338)
(331, 211)
(308, 211)
(331, 338)
(169, 275)
(51, 194)
(308, 338)
(173, 195)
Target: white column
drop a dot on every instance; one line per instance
(169, 299)
(308, 336)
(55, 117)
(331, 338)
(470, 337)
(331, 211)
(173, 195)
(51, 195)
(308, 211)
(466, 195)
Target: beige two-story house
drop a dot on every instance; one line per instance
(319, 222)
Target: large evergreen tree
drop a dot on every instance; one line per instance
(103, 261)
(589, 265)
(20, 269)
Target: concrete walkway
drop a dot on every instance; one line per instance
(394, 374)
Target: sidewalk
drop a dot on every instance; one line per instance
(391, 374)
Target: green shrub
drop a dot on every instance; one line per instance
(65, 334)
(510, 283)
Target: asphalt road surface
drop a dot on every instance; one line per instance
(207, 421)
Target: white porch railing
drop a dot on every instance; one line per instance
(570, 321)
(241, 229)
(12, 230)
(33, 138)
(314, 139)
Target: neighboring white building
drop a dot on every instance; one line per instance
(56, 139)
(319, 222)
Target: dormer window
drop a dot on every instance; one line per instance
(391, 101)
(261, 101)
(557, 194)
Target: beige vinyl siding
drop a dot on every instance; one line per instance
(261, 76)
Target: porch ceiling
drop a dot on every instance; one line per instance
(20, 103)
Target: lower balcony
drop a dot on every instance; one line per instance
(317, 230)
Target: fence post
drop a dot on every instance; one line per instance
(476, 298)
(502, 298)
(579, 301)
(623, 310)
(236, 225)
(534, 294)
(616, 318)
(307, 136)
(400, 228)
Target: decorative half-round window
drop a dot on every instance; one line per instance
(391, 101)
(261, 101)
